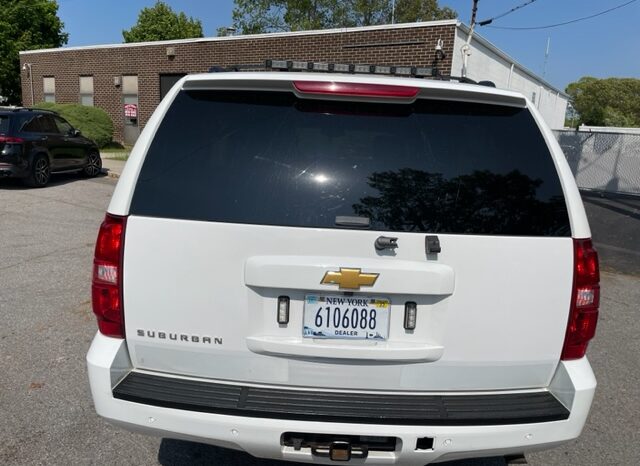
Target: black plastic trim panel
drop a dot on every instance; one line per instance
(348, 407)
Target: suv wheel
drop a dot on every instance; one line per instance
(40, 172)
(94, 165)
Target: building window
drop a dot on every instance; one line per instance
(86, 90)
(49, 89)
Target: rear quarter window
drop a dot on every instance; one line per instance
(272, 159)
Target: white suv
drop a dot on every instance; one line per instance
(321, 267)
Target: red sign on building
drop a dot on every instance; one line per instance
(131, 110)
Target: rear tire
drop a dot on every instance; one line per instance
(39, 173)
(94, 165)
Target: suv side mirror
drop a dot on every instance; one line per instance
(75, 132)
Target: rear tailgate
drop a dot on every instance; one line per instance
(242, 199)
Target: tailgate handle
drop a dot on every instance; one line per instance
(432, 244)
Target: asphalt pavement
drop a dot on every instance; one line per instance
(615, 228)
(46, 325)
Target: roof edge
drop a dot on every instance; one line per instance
(447, 22)
(500, 53)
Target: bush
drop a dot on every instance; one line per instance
(93, 122)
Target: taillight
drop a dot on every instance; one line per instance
(585, 299)
(106, 285)
(11, 140)
(355, 89)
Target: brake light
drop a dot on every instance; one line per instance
(11, 140)
(585, 299)
(106, 284)
(355, 89)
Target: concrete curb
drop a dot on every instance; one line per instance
(110, 173)
(112, 167)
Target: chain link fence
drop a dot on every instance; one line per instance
(603, 161)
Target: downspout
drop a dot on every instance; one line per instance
(510, 75)
(466, 48)
(28, 67)
(540, 89)
(31, 81)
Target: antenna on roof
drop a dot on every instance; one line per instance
(546, 57)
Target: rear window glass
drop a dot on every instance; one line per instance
(4, 124)
(272, 159)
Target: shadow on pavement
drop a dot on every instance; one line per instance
(56, 180)
(621, 205)
(182, 453)
(615, 230)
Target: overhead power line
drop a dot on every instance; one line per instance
(490, 20)
(548, 26)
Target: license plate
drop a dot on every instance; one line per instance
(346, 317)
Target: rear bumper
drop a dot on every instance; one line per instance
(175, 408)
(13, 171)
(204, 396)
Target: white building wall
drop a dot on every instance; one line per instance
(487, 63)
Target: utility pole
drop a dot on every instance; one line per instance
(393, 11)
(466, 48)
(474, 11)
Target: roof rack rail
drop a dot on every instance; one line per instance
(29, 109)
(243, 67)
(430, 72)
(351, 68)
(460, 79)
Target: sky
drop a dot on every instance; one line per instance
(606, 46)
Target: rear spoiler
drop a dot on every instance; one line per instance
(283, 82)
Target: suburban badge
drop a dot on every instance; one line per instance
(349, 279)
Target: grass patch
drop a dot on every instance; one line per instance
(116, 147)
(123, 156)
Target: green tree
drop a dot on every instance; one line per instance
(257, 16)
(409, 11)
(160, 22)
(366, 13)
(25, 25)
(303, 15)
(606, 102)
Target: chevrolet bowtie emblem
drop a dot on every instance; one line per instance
(350, 279)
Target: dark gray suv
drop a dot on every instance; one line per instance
(36, 143)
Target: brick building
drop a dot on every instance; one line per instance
(129, 80)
